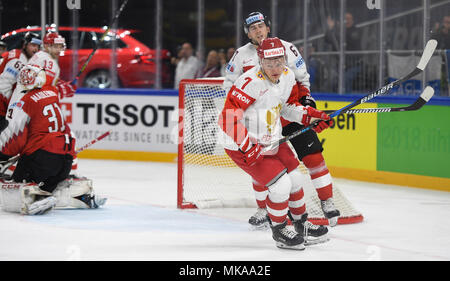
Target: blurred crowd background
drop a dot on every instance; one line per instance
(381, 37)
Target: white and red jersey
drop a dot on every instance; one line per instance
(44, 61)
(36, 122)
(246, 58)
(253, 108)
(13, 62)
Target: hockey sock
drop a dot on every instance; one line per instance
(320, 176)
(297, 205)
(277, 210)
(277, 200)
(260, 194)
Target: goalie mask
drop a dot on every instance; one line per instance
(32, 77)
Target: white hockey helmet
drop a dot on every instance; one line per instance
(32, 77)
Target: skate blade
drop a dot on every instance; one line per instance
(299, 247)
(316, 240)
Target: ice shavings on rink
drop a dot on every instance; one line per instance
(140, 221)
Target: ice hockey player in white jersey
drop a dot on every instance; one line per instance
(307, 146)
(251, 121)
(12, 63)
(47, 59)
(257, 28)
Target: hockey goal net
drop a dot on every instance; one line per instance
(207, 177)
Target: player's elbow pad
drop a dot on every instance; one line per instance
(308, 100)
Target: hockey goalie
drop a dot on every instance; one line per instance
(38, 133)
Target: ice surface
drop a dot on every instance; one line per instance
(140, 221)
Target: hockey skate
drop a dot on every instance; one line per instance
(93, 201)
(286, 238)
(311, 233)
(330, 211)
(259, 220)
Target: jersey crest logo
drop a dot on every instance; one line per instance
(260, 75)
(272, 115)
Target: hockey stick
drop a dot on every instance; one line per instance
(426, 55)
(104, 135)
(113, 20)
(425, 96)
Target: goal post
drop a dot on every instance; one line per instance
(207, 177)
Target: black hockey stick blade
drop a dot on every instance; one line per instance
(425, 96)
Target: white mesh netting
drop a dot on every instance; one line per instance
(210, 179)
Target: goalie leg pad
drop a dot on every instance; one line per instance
(26, 198)
(11, 196)
(67, 190)
(77, 193)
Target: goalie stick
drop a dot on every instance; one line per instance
(113, 20)
(426, 55)
(424, 97)
(104, 135)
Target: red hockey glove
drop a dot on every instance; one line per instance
(66, 89)
(253, 155)
(322, 125)
(311, 113)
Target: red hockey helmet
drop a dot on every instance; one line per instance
(271, 48)
(54, 38)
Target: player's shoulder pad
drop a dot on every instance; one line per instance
(236, 59)
(295, 59)
(14, 54)
(243, 53)
(40, 56)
